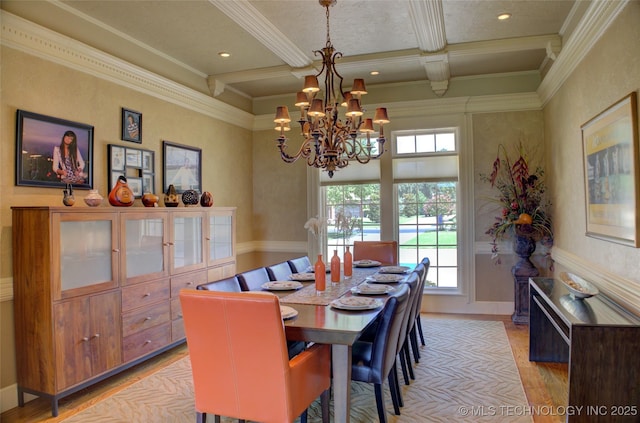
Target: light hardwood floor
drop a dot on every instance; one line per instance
(545, 384)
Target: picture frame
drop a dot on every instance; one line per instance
(182, 167)
(135, 164)
(40, 160)
(131, 126)
(610, 157)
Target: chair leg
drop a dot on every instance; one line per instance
(382, 414)
(419, 322)
(405, 350)
(201, 417)
(394, 384)
(403, 366)
(413, 338)
(325, 398)
(303, 417)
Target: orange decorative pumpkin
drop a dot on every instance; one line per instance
(524, 219)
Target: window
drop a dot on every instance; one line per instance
(425, 172)
(353, 213)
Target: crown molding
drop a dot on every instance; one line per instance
(593, 25)
(252, 21)
(441, 106)
(25, 36)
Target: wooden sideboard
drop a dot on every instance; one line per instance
(599, 340)
(96, 289)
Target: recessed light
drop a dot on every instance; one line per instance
(374, 73)
(504, 16)
(224, 54)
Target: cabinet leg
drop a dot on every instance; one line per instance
(54, 406)
(20, 397)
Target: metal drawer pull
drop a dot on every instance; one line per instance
(148, 341)
(148, 294)
(85, 339)
(97, 335)
(147, 318)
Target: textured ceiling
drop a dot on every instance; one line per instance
(272, 42)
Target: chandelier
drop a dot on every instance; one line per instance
(329, 142)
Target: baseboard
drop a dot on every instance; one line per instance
(460, 305)
(9, 397)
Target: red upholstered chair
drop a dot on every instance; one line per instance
(386, 252)
(223, 329)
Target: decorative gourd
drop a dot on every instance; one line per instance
(121, 195)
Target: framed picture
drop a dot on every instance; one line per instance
(610, 146)
(135, 164)
(182, 167)
(52, 152)
(131, 126)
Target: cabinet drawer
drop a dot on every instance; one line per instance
(188, 281)
(177, 330)
(139, 295)
(145, 342)
(144, 318)
(176, 309)
(221, 272)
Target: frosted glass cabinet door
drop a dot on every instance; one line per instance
(86, 254)
(187, 242)
(220, 237)
(145, 249)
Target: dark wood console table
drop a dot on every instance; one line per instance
(599, 340)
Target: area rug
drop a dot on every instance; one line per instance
(466, 374)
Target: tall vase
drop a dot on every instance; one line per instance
(320, 275)
(348, 264)
(524, 269)
(335, 267)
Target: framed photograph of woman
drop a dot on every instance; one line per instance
(182, 167)
(53, 152)
(131, 126)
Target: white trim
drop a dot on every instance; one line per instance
(6, 289)
(623, 291)
(41, 42)
(460, 305)
(9, 397)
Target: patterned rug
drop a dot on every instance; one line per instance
(466, 374)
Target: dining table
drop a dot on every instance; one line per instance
(319, 322)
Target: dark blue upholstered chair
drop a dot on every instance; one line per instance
(374, 360)
(279, 272)
(300, 264)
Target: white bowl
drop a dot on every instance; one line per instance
(578, 287)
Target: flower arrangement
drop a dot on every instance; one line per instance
(315, 226)
(522, 197)
(346, 225)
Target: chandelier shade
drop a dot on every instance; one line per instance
(330, 142)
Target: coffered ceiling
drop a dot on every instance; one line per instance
(271, 42)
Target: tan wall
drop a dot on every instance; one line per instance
(40, 86)
(609, 72)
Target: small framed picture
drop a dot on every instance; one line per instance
(136, 186)
(147, 161)
(134, 158)
(182, 167)
(116, 158)
(147, 183)
(131, 126)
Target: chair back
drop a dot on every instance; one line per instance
(226, 285)
(279, 272)
(413, 281)
(386, 252)
(252, 280)
(223, 330)
(300, 264)
(383, 348)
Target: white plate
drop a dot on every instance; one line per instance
(356, 303)
(303, 277)
(385, 278)
(366, 289)
(312, 269)
(578, 287)
(394, 269)
(288, 312)
(366, 263)
(281, 285)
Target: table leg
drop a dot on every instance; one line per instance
(341, 356)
